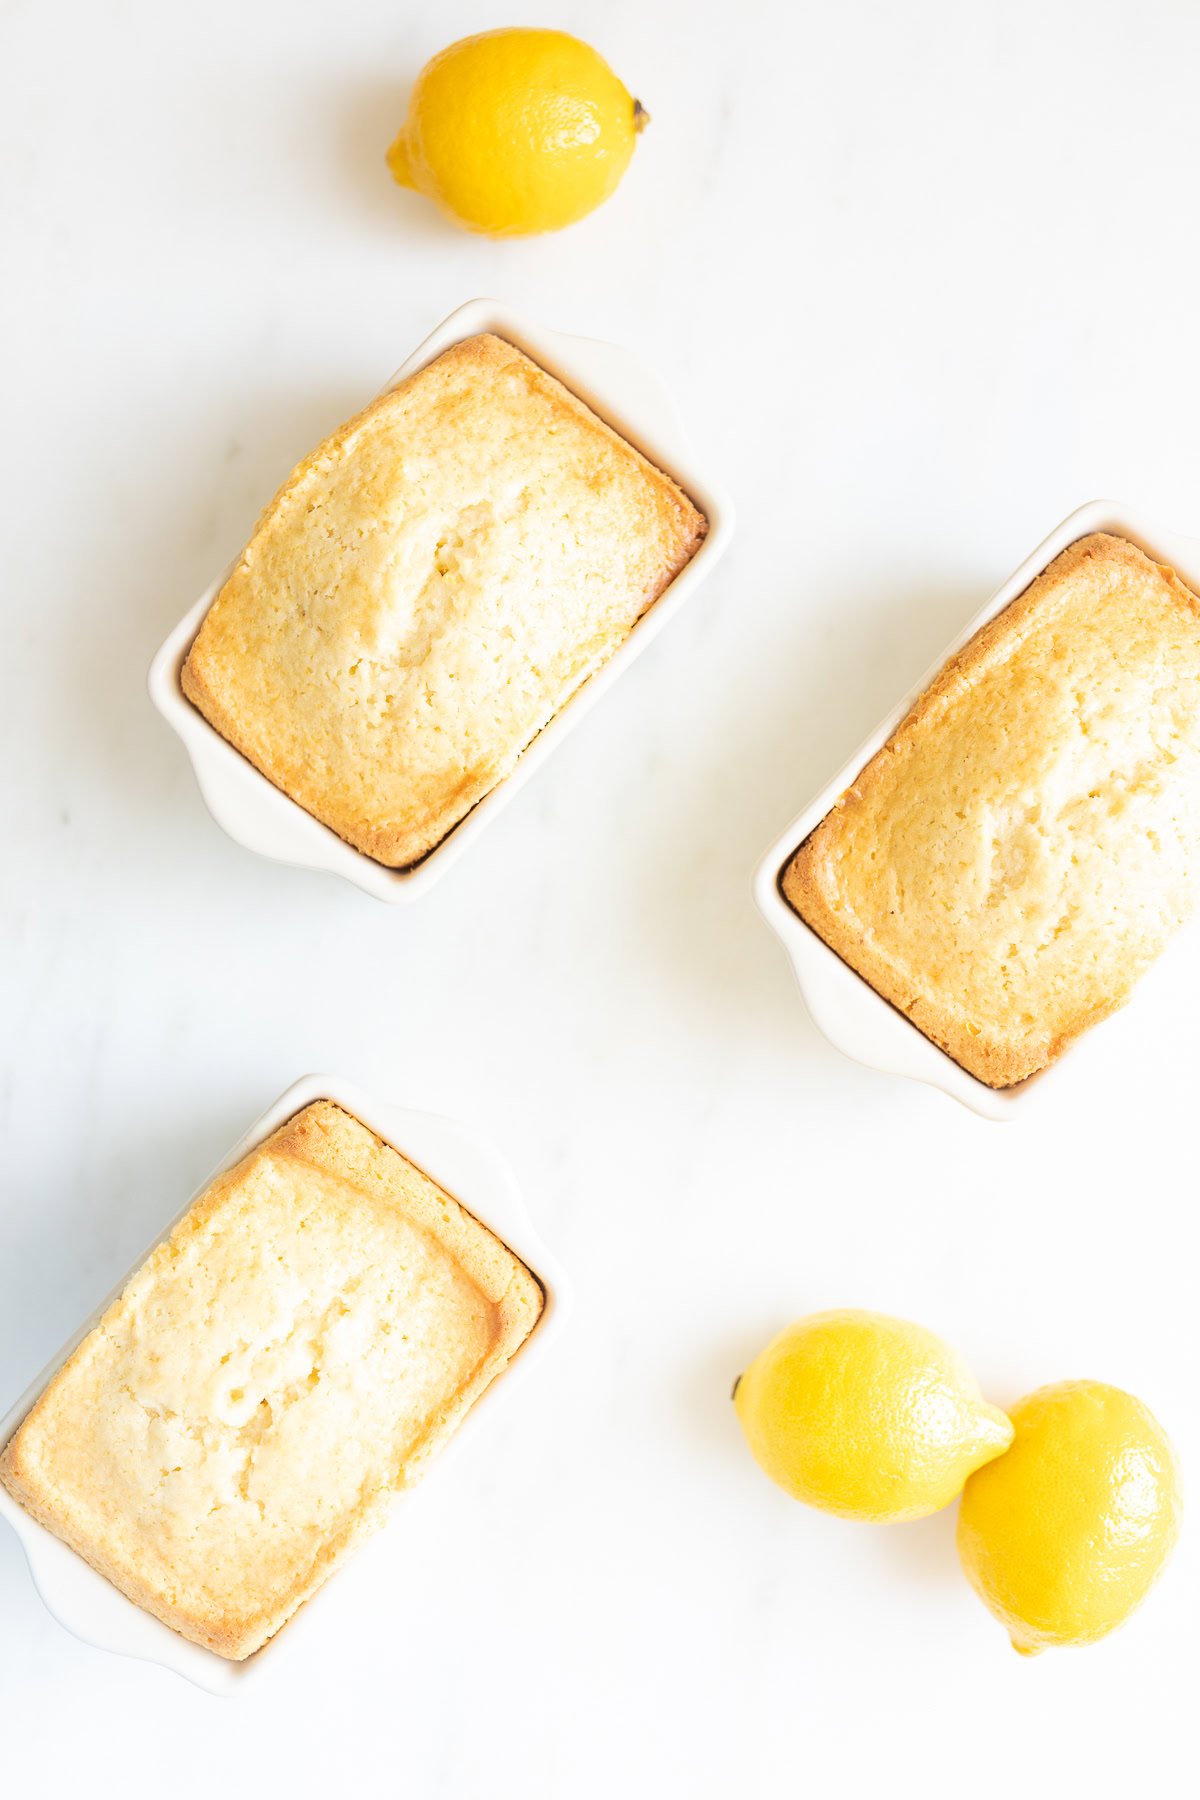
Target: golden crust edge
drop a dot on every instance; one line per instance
(404, 847)
(506, 1282)
(806, 880)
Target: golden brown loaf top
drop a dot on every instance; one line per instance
(275, 1374)
(1021, 849)
(427, 591)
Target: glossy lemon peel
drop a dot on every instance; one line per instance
(867, 1416)
(516, 132)
(1065, 1535)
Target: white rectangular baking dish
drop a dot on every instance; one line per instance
(842, 1005)
(468, 1167)
(257, 814)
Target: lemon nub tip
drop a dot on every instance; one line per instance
(641, 118)
(398, 163)
(999, 1432)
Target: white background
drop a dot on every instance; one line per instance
(922, 278)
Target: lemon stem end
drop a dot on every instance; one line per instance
(641, 118)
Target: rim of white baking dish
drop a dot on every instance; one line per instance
(470, 1168)
(843, 1006)
(257, 814)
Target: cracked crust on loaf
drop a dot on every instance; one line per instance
(278, 1371)
(428, 589)
(1022, 848)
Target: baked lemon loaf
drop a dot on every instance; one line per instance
(427, 591)
(275, 1374)
(1022, 848)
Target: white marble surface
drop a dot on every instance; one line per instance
(923, 278)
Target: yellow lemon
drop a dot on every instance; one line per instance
(1063, 1536)
(516, 131)
(866, 1416)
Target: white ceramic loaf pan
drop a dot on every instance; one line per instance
(842, 1005)
(470, 1169)
(257, 814)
